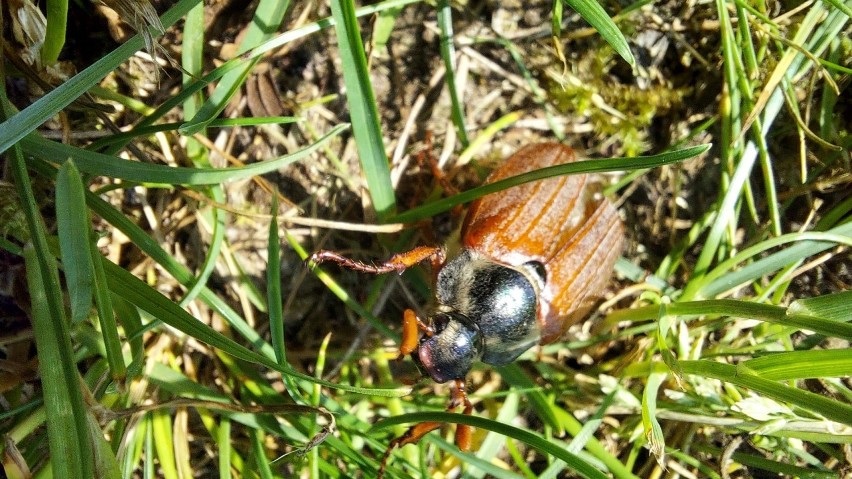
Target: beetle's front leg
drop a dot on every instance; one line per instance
(411, 325)
(397, 263)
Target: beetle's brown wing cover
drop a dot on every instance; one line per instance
(563, 223)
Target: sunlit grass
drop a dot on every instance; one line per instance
(727, 350)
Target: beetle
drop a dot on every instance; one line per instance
(534, 260)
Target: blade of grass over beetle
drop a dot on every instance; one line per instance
(110, 166)
(19, 125)
(589, 166)
(476, 467)
(491, 446)
(363, 109)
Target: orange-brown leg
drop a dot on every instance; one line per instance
(411, 436)
(411, 326)
(425, 158)
(416, 432)
(398, 262)
(463, 431)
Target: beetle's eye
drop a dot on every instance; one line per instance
(539, 269)
(451, 351)
(439, 322)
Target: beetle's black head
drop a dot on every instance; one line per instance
(449, 353)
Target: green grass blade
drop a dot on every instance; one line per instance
(775, 468)
(263, 468)
(144, 297)
(448, 54)
(54, 38)
(67, 429)
(829, 408)
(123, 138)
(164, 444)
(835, 307)
(383, 27)
(513, 375)
(74, 239)
(106, 317)
(653, 431)
(223, 440)
(18, 126)
(267, 20)
(273, 286)
(217, 218)
(363, 109)
(764, 266)
(192, 61)
(68, 434)
(818, 363)
(593, 13)
(81, 261)
(106, 465)
(575, 463)
(762, 312)
(476, 467)
(130, 319)
(110, 166)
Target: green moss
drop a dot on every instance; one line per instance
(619, 113)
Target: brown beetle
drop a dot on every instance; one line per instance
(534, 260)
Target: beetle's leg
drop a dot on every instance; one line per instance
(463, 431)
(411, 436)
(398, 262)
(426, 159)
(416, 432)
(411, 325)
